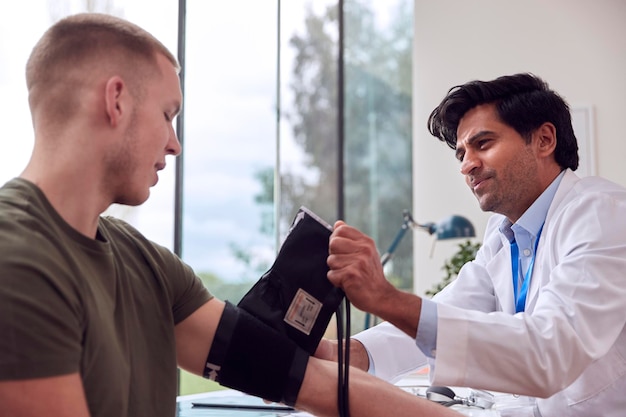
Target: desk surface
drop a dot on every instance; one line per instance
(233, 398)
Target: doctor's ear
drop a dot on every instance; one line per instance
(546, 139)
(115, 93)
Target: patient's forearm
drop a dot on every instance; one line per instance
(368, 395)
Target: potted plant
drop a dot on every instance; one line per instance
(466, 252)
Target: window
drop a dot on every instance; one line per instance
(261, 132)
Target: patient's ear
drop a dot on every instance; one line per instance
(115, 92)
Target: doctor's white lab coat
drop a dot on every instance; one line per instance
(569, 347)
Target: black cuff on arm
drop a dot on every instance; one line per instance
(252, 357)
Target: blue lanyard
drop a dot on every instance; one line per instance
(520, 299)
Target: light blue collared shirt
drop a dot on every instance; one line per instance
(524, 231)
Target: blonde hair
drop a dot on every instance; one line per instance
(78, 46)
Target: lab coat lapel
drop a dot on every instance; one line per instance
(500, 269)
(541, 271)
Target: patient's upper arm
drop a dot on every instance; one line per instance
(194, 336)
(58, 396)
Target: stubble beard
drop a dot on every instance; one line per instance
(122, 170)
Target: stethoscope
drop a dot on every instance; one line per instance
(446, 397)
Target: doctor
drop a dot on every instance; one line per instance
(541, 311)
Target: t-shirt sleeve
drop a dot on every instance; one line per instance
(189, 293)
(185, 290)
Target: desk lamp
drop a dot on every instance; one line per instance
(452, 227)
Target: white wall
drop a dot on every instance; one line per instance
(577, 46)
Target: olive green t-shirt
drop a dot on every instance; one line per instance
(103, 307)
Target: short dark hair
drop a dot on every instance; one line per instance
(522, 101)
(90, 36)
(73, 48)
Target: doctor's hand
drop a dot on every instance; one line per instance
(356, 268)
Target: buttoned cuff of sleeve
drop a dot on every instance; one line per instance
(426, 338)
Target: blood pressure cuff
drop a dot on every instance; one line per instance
(250, 356)
(294, 296)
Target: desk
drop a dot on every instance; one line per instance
(185, 406)
(506, 405)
